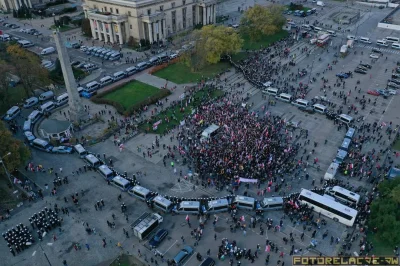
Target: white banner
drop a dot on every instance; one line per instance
(248, 180)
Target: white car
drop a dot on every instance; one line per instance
(47, 64)
(22, 30)
(172, 56)
(374, 56)
(83, 48)
(393, 92)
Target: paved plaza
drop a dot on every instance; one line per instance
(152, 174)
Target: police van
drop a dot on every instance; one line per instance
(331, 172)
(187, 207)
(284, 97)
(345, 119)
(12, 113)
(271, 91)
(106, 172)
(82, 152)
(319, 108)
(350, 133)
(345, 144)
(41, 145)
(141, 193)
(92, 160)
(47, 107)
(62, 99)
(273, 203)
(34, 116)
(121, 183)
(301, 103)
(242, 202)
(220, 205)
(163, 204)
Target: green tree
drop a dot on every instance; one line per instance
(87, 31)
(259, 21)
(212, 42)
(385, 212)
(19, 153)
(27, 68)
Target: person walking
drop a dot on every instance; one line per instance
(87, 246)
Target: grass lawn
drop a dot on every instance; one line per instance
(396, 145)
(125, 260)
(177, 114)
(132, 93)
(380, 247)
(15, 96)
(179, 73)
(263, 41)
(294, 8)
(239, 56)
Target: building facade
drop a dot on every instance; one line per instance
(10, 5)
(115, 21)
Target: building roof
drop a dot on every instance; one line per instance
(52, 126)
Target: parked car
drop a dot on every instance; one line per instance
(375, 56)
(331, 114)
(208, 262)
(366, 65)
(360, 71)
(29, 136)
(396, 81)
(158, 238)
(62, 149)
(37, 33)
(75, 45)
(31, 102)
(83, 48)
(361, 67)
(307, 109)
(14, 26)
(393, 85)
(75, 63)
(392, 92)
(373, 92)
(342, 75)
(183, 255)
(376, 51)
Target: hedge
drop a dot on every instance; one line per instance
(122, 110)
(163, 65)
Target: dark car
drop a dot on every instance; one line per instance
(394, 81)
(376, 50)
(366, 66)
(208, 262)
(307, 109)
(158, 238)
(75, 63)
(76, 45)
(342, 75)
(360, 71)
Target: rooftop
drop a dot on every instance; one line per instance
(54, 126)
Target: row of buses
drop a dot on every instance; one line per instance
(328, 205)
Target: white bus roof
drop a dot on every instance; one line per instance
(328, 202)
(190, 204)
(243, 199)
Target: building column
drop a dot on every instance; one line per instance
(100, 29)
(92, 29)
(111, 30)
(150, 33)
(204, 15)
(165, 29)
(214, 14)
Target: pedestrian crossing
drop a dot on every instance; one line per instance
(384, 50)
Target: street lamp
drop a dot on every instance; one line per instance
(5, 169)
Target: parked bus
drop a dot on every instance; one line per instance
(343, 195)
(332, 209)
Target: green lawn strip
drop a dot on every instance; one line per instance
(15, 95)
(239, 56)
(264, 41)
(380, 247)
(179, 73)
(396, 145)
(132, 93)
(175, 115)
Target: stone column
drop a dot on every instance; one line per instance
(92, 28)
(204, 15)
(111, 30)
(150, 33)
(74, 101)
(215, 14)
(100, 29)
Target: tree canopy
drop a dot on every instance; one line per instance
(385, 212)
(19, 153)
(210, 43)
(261, 21)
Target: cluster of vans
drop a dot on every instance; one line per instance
(104, 53)
(301, 13)
(393, 42)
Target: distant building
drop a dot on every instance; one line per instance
(115, 21)
(10, 5)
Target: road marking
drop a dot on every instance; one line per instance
(34, 253)
(170, 247)
(188, 259)
(386, 108)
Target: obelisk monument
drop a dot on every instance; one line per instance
(75, 104)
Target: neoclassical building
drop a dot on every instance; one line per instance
(154, 20)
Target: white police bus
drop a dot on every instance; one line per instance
(325, 206)
(343, 195)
